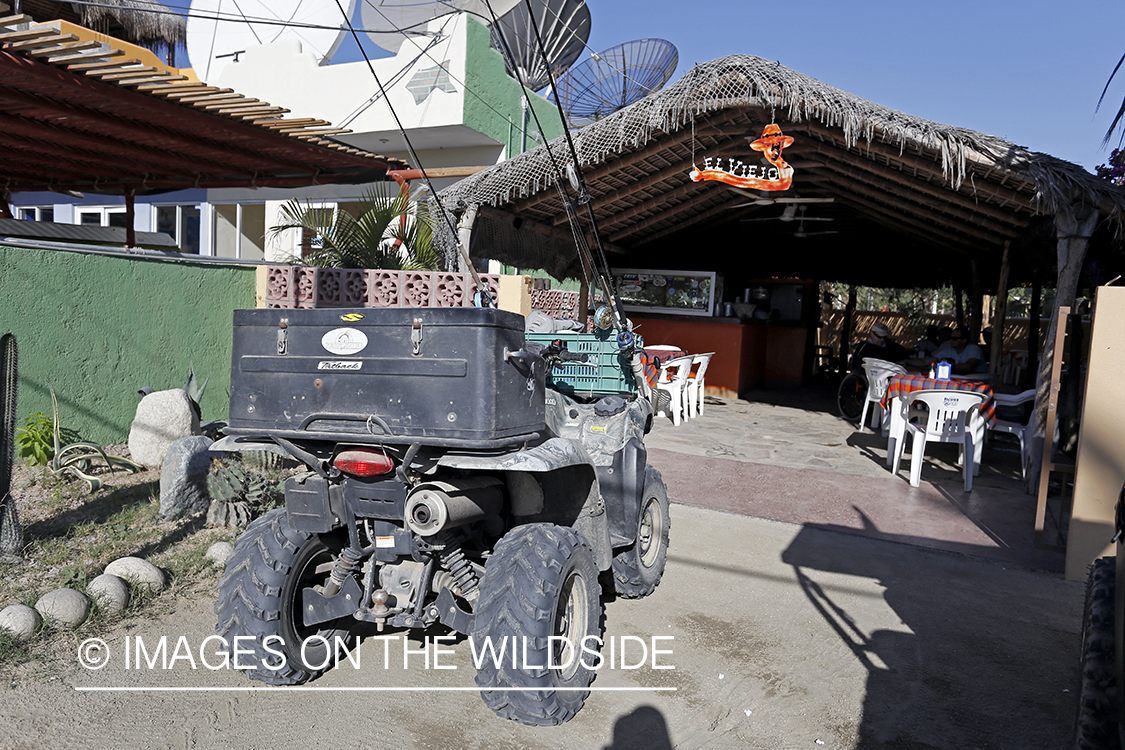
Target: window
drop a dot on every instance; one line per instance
(106, 216)
(181, 223)
(36, 213)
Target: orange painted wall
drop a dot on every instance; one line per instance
(746, 354)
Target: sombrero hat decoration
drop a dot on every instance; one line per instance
(772, 136)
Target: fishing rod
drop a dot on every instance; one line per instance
(603, 272)
(482, 289)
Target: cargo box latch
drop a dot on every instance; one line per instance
(416, 336)
(282, 335)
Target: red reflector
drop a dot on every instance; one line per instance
(364, 462)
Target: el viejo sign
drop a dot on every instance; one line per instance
(777, 176)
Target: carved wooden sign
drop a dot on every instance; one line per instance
(777, 176)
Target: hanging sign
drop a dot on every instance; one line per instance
(777, 176)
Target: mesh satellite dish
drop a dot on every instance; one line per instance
(389, 23)
(218, 32)
(564, 26)
(607, 81)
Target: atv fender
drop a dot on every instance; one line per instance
(553, 482)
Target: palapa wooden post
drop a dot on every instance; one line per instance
(1074, 224)
(846, 328)
(1001, 313)
(1034, 314)
(976, 302)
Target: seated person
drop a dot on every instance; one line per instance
(925, 347)
(966, 357)
(879, 345)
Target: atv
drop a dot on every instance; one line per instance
(443, 484)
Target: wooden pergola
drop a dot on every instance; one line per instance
(82, 112)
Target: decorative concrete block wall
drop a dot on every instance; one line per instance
(303, 287)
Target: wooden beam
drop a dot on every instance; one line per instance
(75, 61)
(996, 345)
(9, 37)
(661, 214)
(45, 40)
(64, 49)
(959, 205)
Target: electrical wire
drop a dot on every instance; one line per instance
(486, 297)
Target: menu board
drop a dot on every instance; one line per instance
(673, 292)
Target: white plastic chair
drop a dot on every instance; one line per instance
(695, 383)
(950, 420)
(1015, 428)
(878, 372)
(673, 380)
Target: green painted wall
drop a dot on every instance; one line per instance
(485, 76)
(96, 328)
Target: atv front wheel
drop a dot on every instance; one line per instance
(637, 570)
(539, 606)
(1096, 719)
(259, 606)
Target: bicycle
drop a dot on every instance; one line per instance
(852, 395)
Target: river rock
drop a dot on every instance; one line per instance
(110, 592)
(183, 477)
(20, 620)
(64, 607)
(139, 573)
(220, 552)
(162, 418)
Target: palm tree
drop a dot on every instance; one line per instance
(389, 232)
(1120, 111)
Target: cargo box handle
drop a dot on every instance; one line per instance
(386, 428)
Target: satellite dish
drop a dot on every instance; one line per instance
(389, 23)
(564, 26)
(607, 81)
(217, 33)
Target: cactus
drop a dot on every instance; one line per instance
(11, 534)
(241, 491)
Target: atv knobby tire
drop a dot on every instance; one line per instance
(260, 602)
(637, 570)
(1096, 720)
(541, 581)
(851, 397)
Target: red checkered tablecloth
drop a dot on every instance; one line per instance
(900, 385)
(654, 358)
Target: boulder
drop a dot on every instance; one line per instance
(20, 620)
(219, 553)
(110, 592)
(64, 607)
(162, 417)
(183, 477)
(139, 573)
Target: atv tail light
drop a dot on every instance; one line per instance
(364, 462)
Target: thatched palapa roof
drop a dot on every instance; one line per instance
(895, 179)
(145, 22)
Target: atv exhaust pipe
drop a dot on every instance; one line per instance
(435, 506)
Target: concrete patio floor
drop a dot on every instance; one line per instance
(786, 455)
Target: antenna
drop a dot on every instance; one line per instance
(564, 26)
(608, 81)
(403, 19)
(218, 32)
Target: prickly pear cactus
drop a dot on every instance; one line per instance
(239, 491)
(267, 461)
(11, 534)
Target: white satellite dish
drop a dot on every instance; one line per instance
(218, 30)
(389, 23)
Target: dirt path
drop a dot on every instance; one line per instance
(783, 636)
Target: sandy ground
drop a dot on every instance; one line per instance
(803, 638)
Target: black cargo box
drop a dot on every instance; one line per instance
(437, 376)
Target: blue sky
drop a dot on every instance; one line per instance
(1030, 72)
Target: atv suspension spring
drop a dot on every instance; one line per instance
(465, 582)
(346, 564)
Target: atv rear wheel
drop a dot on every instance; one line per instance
(260, 602)
(1096, 720)
(539, 605)
(637, 570)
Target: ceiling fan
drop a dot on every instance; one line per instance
(763, 200)
(791, 214)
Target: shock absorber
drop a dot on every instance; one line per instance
(346, 564)
(452, 558)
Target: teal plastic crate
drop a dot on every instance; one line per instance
(605, 372)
